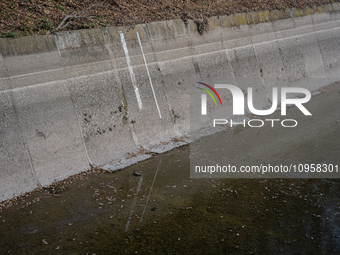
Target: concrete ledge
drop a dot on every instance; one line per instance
(69, 100)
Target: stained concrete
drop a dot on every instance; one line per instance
(72, 102)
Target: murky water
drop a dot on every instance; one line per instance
(163, 211)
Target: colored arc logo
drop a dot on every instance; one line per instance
(208, 92)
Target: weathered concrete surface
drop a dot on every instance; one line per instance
(67, 100)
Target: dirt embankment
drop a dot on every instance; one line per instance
(28, 17)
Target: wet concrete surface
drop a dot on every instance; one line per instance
(154, 207)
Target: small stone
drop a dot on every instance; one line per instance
(137, 174)
(44, 241)
(338, 121)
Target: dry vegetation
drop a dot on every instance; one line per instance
(27, 17)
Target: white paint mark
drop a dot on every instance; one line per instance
(147, 200)
(204, 104)
(56, 43)
(133, 204)
(133, 78)
(147, 70)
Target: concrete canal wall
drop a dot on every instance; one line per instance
(70, 99)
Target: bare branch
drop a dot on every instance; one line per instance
(72, 17)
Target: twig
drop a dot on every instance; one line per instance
(78, 17)
(73, 17)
